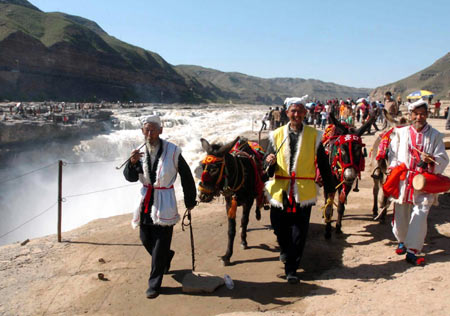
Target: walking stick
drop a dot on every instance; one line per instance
(187, 215)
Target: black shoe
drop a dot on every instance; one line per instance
(151, 293)
(169, 260)
(292, 279)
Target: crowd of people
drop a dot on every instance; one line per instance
(349, 111)
(56, 112)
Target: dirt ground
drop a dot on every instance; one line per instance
(357, 273)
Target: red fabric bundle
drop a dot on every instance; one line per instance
(392, 185)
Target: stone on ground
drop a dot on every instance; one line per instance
(201, 282)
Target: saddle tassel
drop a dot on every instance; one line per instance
(233, 208)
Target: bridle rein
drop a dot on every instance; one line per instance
(225, 189)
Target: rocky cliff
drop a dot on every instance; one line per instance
(435, 78)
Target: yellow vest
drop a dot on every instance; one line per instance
(305, 190)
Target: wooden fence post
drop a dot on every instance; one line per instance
(60, 165)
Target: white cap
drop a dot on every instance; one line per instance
(295, 100)
(150, 119)
(416, 104)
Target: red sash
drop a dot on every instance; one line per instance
(292, 205)
(148, 195)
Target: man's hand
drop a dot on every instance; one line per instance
(135, 156)
(192, 207)
(427, 158)
(271, 159)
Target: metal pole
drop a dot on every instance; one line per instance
(60, 165)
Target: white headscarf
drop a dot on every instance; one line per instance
(416, 104)
(295, 100)
(150, 119)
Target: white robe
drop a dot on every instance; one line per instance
(410, 221)
(164, 209)
(399, 152)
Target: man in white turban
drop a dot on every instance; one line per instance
(414, 149)
(157, 212)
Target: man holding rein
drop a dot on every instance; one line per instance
(292, 154)
(157, 212)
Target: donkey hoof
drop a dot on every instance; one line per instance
(225, 261)
(244, 245)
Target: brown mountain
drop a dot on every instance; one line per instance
(231, 85)
(56, 56)
(435, 78)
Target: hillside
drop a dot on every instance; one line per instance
(62, 57)
(57, 56)
(229, 85)
(435, 78)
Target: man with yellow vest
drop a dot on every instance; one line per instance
(294, 151)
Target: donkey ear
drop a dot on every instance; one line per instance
(340, 128)
(206, 146)
(360, 131)
(227, 147)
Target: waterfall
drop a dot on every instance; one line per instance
(91, 167)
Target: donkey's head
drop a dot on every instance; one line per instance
(349, 157)
(213, 169)
(348, 154)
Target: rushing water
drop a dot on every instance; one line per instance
(90, 168)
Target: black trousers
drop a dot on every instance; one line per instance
(157, 239)
(291, 230)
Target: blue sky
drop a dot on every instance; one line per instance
(356, 43)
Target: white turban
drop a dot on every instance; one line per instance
(289, 101)
(416, 104)
(150, 119)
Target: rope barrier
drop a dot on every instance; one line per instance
(65, 163)
(98, 161)
(34, 217)
(104, 190)
(28, 173)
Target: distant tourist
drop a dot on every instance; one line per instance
(284, 117)
(447, 124)
(276, 115)
(437, 109)
(271, 122)
(323, 118)
(264, 119)
(390, 105)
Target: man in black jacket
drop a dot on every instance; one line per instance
(157, 213)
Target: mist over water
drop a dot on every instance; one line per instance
(90, 167)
